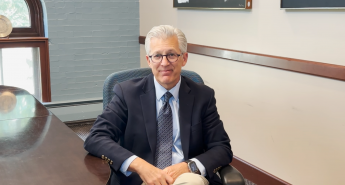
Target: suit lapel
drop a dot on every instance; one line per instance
(186, 108)
(148, 105)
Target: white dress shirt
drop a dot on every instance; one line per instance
(177, 153)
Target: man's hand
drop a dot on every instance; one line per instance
(176, 170)
(149, 173)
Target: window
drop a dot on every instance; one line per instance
(17, 11)
(24, 61)
(21, 70)
(25, 15)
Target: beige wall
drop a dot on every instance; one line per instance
(289, 124)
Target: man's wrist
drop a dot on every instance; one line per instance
(200, 166)
(193, 168)
(136, 164)
(125, 165)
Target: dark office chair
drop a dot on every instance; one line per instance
(228, 174)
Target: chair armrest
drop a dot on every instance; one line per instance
(231, 176)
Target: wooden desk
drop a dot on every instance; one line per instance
(37, 148)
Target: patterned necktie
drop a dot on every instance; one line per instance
(163, 156)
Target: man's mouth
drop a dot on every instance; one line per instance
(166, 71)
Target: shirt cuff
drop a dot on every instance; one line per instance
(125, 165)
(200, 166)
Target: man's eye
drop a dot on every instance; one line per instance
(157, 56)
(172, 55)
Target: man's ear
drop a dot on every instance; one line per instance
(148, 60)
(185, 58)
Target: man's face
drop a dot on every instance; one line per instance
(166, 73)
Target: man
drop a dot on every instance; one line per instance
(164, 128)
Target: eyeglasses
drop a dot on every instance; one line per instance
(172, 57)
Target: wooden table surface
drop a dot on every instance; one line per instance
(37, 148)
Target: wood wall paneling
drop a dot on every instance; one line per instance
(290, 64)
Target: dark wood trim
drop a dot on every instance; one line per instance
(45, 72)
(43, 44)
(255, 174)
(36, 19)
(26, 39)
(290, 64)
(142, 39)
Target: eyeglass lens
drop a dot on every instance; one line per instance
(171, 57)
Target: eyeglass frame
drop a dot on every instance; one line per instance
(166, 56)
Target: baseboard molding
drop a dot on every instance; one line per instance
(255, 174)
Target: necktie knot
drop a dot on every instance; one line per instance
(167, 96)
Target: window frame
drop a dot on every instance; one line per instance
(41, 43)
(36, 19)
(33, 37)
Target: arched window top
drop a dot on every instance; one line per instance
(36, 63)
(26, 17)
(17, 11)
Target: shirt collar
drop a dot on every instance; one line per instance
(160, 90)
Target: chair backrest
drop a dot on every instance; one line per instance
(121, 76)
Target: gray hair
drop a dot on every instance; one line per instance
(166, 31)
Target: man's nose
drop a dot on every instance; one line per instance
(165, 61)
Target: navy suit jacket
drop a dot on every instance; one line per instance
(128, 127)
